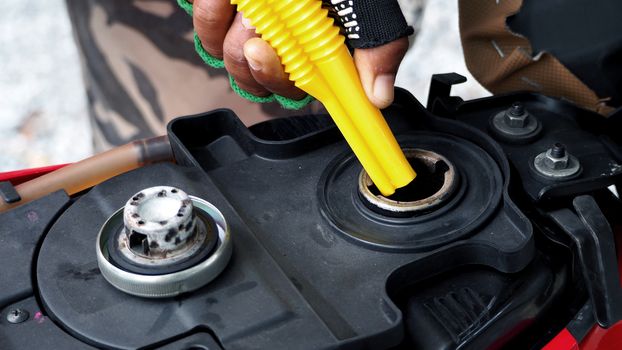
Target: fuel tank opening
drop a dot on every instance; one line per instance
(435, 182)
(458, 187)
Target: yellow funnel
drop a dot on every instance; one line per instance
(319, 63)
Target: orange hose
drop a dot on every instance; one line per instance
(96, 169)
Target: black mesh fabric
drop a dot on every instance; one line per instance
(369, 23)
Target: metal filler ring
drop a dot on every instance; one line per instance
(431, 160)
(171, 284)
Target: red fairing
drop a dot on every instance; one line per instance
(563, 341)
(603, 339)
(18, 176)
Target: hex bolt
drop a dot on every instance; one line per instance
(515, 123)
(556, 157)
(517, 109)
(516, 116)
(557, 163)
(17, 316)
(558, 150)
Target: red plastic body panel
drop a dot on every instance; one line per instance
(603, 339)
(18, 176)
(563, 341)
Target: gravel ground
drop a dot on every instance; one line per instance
(42, 100)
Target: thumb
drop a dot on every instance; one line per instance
(377, 68)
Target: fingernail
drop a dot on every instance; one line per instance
(254, 64)
(247, 23)
(383, 89)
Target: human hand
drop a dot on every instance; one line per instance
(256, 68)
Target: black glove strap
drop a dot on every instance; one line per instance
(369, 23)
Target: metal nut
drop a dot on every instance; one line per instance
(516, 121)
(555, 163)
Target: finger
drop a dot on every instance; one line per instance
(235, 62)
(267, 70)
(377, 68)
(211, 20)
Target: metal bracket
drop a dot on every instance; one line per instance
(595, 246)
(440, 88)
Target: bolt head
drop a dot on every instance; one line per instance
(516, 120)
(555, 163)
(517, 108)
(17, 316)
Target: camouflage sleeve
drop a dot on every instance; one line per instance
(141, 70)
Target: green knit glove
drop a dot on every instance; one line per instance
(213, 62)
(184, 4)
